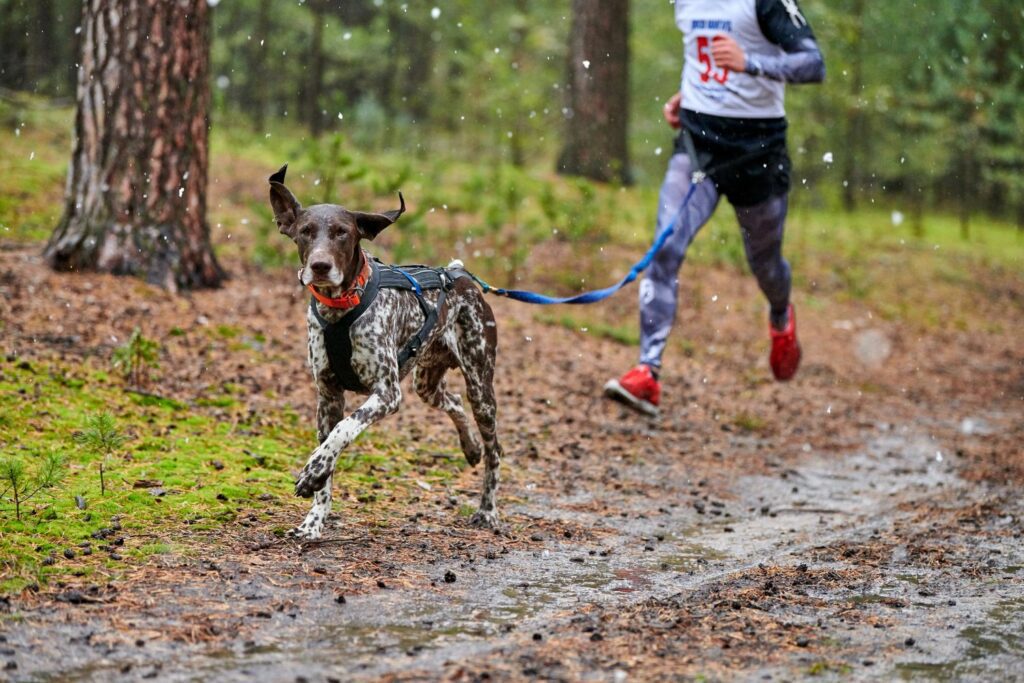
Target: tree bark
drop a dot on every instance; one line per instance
(136, 189)
(597, 91)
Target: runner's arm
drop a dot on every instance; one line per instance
(782, 23)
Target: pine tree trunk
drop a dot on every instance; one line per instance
(136, 189)
(598, 91)
(40, 63)
(256, 97)
(856, 139)
(316, 71)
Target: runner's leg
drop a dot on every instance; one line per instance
(659, 290)
(762, 226)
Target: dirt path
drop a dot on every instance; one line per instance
(863, 521)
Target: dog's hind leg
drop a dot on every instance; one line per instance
(330, 410)
(478, 341)
(430, 385)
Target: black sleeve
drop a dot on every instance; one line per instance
(783, 23)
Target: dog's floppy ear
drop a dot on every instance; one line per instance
(286, 206)
(370, 224)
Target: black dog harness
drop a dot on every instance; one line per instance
(337, 338)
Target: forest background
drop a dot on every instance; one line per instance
(922, 108)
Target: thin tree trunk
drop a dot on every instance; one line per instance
(256, 92)
(518, 35)
(316, 71)
(917, 216)
(136, 190)
(964, 208)
(857, 138)
(40, 62)
(598, 91)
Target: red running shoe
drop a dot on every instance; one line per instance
(637, 389)
(785, 357)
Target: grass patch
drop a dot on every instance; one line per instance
(622, 334)
(825, 668)
(180, 465)
(748, 422)
(36, 141)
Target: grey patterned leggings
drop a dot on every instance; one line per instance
(762, 226)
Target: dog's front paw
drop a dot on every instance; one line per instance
(485, 520)
(311, 479)
(305, 533)
(472, 449)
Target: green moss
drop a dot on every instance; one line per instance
(161, 479)
(749, 422)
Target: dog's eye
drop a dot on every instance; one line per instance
(307, 231)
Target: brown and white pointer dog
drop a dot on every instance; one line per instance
(465, 337)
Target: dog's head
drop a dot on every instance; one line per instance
(327, 235)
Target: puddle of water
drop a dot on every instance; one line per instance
(877, 599)
(992, 649)
(688, 557)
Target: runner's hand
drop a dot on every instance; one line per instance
(671, 110)
(727, 53)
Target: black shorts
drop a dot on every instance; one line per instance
(746, 159)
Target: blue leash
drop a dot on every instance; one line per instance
(599, 294)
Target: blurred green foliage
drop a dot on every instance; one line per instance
(922, 106)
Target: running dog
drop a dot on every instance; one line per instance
(369, 325)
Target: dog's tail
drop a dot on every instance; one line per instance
(456, 264)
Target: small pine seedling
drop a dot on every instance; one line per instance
(101, 437)
(136, 358)
(18, 487)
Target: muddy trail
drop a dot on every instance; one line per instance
(863, 521)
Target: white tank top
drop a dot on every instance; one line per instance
(710, 89)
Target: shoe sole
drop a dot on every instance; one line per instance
(616, 392)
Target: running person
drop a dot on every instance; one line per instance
(738, 56)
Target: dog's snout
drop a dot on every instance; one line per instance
(320, 267)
